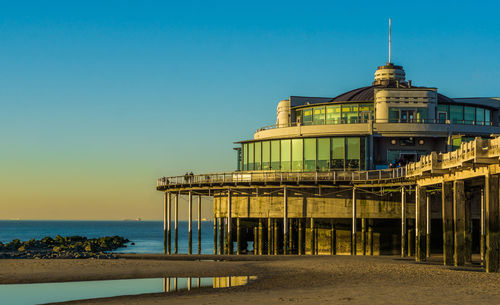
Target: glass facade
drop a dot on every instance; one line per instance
(335, 114)
(458, 114)
(308, 154)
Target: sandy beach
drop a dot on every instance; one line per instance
(281, 280)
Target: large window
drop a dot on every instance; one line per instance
(349, 114)
(250, 156)
(323, 154)
(307, 116)
(266, 155)
(297, 154)
(275, 155)
(479, 116)
(353, 152)
(470, 115)
(310, 154)
(258, 156)
(319, 115)
(333, 114)
(338, 153)
(286, 154)
(245, 157)
(456, 114)
(487, 117)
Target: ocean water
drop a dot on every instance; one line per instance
(147, 235)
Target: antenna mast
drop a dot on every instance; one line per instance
(389, 40)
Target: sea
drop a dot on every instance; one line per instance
(144, 236)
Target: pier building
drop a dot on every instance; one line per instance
(371, 171)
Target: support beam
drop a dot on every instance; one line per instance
(468, 228)
(285, 221)
(300, 236)
(353, 236)
(229, 224)
(199, 224)
(260, 233)
(221, 236)
(482, 245)
(275, 238)
(459, 223)
(215, 235)
(492, 223)
(363, 235)
(190, 223)
(238, 237)
(370, 237)
(447, 214)
(269, 237)
(290, 235)
(176, 224)
(333, 241)
(166, 199)
(313, 243)
(428, 222)
(420, 223)
(403, 222)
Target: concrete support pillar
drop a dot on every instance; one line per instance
(482, 245)
(199, 224)
(190, 223)
(363, 235)
(492, 223)
(221, 236)
(411, 241)
(188, 284)
(459, 223)
(166, 223)
(261, 237)
(285, 221)
(215, 235)
(229, 224)
(333, 241)
(403, 222)
(370, 238)
(447, 213)
(300, 236)
(420, 223)
(176, 224)
(353, 235)
(313, 242)
(256, 239)
(269, 236)
(468, 228)
(175, 283)
(275, 238)
(290, 236)
(238, 237)
(428, 222)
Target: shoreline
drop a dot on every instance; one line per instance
(281, 279)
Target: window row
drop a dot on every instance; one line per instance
(407, 115)
(468, 115)
(308, 154)
(335, 114)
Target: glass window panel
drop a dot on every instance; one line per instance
(297, 154)
(285, 154)
(318, 115)
(275, 154)
(245, 156)
(393, 115)
(443, 108)
(353, 152)
(480, 116)
(456, 114)
(333, 114)
(421, 115)
(469, 115)
(487, 117)
(362, 153)
(350, 114)
(310, 154)
(323, 154)
(266, 155)
(338, 150)
(250, 156)
(307, 115)
(456, 143)
(298, 116)
(258, 156)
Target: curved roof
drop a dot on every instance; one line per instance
(367, 94)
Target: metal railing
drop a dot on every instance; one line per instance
(282, 177)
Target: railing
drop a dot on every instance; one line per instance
(392, 121)
(282, 177)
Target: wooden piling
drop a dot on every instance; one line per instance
(229, 224)
(199, 224)
(166, 202)
(300, 236)
(269, 236)
(363, 235)
(403, 222)
(333, 241)
(190, 223)
(215, 235)
(176, 224)
(221, 236)
(285, 221)
(447, 214)
(428, 223)
(261, 237)
(353, 235)
(370, 238)
(459, 223)
(492, 223)
(275, 237)
(313, 243)
(482, 242)
(238, 237)
(420, 223)
(468, 228)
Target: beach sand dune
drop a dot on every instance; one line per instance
(281, 280)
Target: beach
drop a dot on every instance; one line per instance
(281, 280)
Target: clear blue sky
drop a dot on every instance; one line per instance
(99, 98)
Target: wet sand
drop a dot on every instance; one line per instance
(282, 280)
